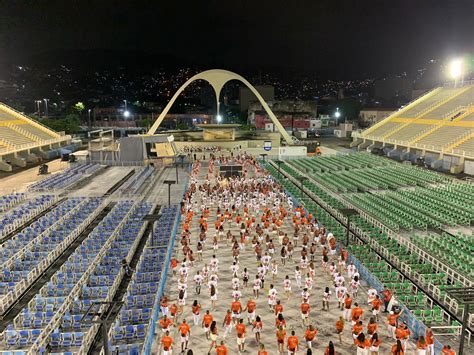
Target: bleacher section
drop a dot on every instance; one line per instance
(20, 135)
(141, 304)
(437, 122)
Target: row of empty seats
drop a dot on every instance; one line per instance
(441, 95)
(35, 248)
(13, 137)
(133, 321)
(7, 201)
(24, 212)
(65, 178)
(465, 98)
(134, 184)
(51, 297)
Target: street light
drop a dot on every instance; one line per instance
(219, 118)
(126, 114)
(169, 183)
(89, 119)
(46, 107)
(337, 114)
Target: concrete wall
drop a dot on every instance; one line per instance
(469, 167)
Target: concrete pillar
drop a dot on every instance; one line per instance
(18, 161)
(5, 166)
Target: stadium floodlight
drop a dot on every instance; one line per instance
(337, 114)
(126, 114)
(219, 118)
(455, 69)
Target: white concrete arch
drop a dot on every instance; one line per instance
(217, 78)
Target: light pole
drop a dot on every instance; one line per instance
(38, 106)
(348, 212)
(169, 183)
(89, 119)
(46, 107)
(152, 218)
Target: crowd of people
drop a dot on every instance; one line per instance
(275, 252)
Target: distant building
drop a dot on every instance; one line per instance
(292, 114)
(370, 116)
(246, 97)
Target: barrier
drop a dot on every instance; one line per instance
(164, 273)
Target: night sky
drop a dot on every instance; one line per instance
(351, 38)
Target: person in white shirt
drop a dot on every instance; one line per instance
(272, 297)
(298, 277)
(287, 286)
(257, 283)
(198, 278)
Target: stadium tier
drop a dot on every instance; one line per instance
(439, 122)
(23, 139)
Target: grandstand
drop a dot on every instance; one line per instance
(23, 140)
(438, 126)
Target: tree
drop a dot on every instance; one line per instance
(69, 124)
(79, 107)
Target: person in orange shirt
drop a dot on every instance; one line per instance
(330, 349)
(310, 335)
(375, 344)
(257, 328)
(167, 344)
(397, 349)
(240, 328)
(174, 311)
(447, 350)
(185, 332)
(372, 326)
(430, 340)
(356, 313)
(362, 343)
(392, 320)
(421, 346)
(236, 311)
(173, 264)
(206, 323)
(292, 343)
(165, 323)
(376, 305)
(222, 349)
(305, 313)
(402, 333)
(262, 350)
(251, 305)
(347, 307)
(227, 324)
(357, 330)
(281, 335)
(340, 328)
(278, 308)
